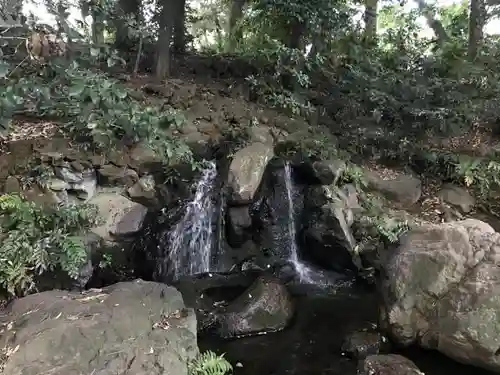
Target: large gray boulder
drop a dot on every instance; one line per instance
(246, 171)
(442, 291)
(130, 328)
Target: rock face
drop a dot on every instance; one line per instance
(246, 171)
(264, 307)
(328, 217)
(389, 364)
(137, 327)
(441, 290)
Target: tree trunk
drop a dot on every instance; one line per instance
(477, 20)
(180, 27)
(370, 18)
(166, 22)
(234, 32)
(434, 24)
(126, 9)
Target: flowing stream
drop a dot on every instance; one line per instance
(192, 238)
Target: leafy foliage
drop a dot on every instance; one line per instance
(209, 363)
(35, 239)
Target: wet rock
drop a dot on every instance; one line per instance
(450, 268)
(68, 175)
(110, 175)
(402, 188)
(388, 364)
(327, 220)
(246, 171)
(144, 191)
(458, 197)
(264, 307)
(121, 216)
(238, 221)
(361, 344)
(134, 327)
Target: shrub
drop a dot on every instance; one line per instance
(36, 239)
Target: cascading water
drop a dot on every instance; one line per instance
(304, 273)
(191, 240)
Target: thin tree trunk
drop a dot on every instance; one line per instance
(164, 39)
(127, 9)
(180, 27)
(234, 32)
(434, 24)
(477, 20)
(370, 18)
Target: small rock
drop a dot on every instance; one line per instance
(77, 166)
(86, 189)
(361, 344)
(144, 159)
(458, 197)
(66, 174)
(121, 216)
(12, 185)
(110, 175)
(50, 157)
(58, 185)
(404, 189)
(144, 191)
(388, 364)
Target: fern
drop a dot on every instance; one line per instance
(209, 363)
(36, 239)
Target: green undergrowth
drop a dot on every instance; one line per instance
(209, 363)
(481, 174)
(92, 107)
(36, 239)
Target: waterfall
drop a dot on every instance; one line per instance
(304, 273)
(191, 240)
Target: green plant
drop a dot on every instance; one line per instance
(36, 239)
(355, 175)
(209, 363)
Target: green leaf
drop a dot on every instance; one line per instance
(4, 69)
(77, 90)
(122, 94)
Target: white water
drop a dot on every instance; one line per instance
(191, 240)
(305, 273)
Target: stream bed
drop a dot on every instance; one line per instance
(311, 345)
